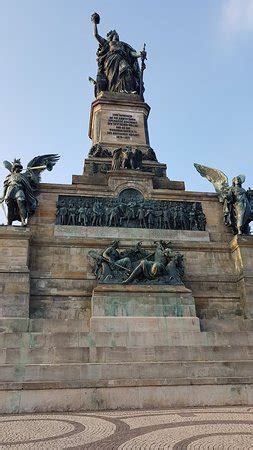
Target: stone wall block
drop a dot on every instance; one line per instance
(242, 254)
(14, 272)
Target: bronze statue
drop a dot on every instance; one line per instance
(236, 200)
(165, 263)
(118, 68)
(127, 158)
(97, 151)
(21, 189)
(163, 266)
(110, 263)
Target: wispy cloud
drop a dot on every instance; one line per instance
(237, 16)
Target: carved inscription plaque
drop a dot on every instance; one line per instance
(122, 125)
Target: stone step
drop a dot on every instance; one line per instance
(146, 324)
(15, 325)
(78, 384)
(18, 325)
(61, 397)
(133, 339)
(93, 372)
(168, 353)
(81, 354)
(44, 355)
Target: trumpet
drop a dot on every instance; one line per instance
(37, 167)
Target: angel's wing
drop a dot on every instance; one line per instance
(40, 163)
(7, 165)
(218, 179)
(44, 160)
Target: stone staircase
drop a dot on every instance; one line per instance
(46, 366)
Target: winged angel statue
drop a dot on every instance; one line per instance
(236, 200)
(21, 190)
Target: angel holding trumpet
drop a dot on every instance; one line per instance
(21, 188)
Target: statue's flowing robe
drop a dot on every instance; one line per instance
(120, 67)
(152, 269)
(241, 206)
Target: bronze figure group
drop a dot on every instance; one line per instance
(127, 158)
(131, 211)
(136, 265)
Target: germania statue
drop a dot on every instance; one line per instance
(21, 189)
(235, 199)
(118, 67)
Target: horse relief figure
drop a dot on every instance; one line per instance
(21, 189)
(235, 199)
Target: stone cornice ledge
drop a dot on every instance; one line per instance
(14, 232)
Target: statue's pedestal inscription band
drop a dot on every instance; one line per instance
(119, 120)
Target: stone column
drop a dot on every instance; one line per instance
(14, 272)
(242, 254)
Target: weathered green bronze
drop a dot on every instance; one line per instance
(21, 189)
(161, 266)
(237, 202)
(118, 67)
(130, 210)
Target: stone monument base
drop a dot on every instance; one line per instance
(58, 365)
(142, 307)
(14, 272)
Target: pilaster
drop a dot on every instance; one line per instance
(242, 254)
(14, 272)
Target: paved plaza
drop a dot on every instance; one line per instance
(190, 428)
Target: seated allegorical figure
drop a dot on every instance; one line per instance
(167, 266)
(137, 265)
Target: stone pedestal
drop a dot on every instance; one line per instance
(14, 272)
(242, 254)
(149, 308)
(119, 119)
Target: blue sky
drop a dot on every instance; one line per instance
(198, 81)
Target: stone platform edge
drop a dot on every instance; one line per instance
(114, 398)
(133, 233)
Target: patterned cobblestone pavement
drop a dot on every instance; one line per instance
(189, 428)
